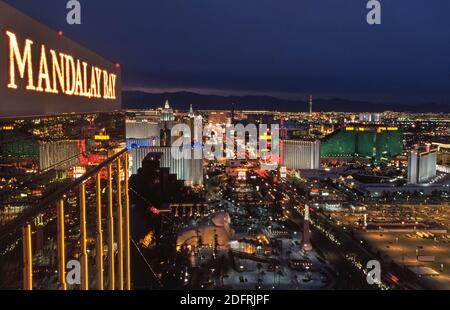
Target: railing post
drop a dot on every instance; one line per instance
(127, 228)
(27, 258)
(61, 246)
(30, 220)
(119, 224)
(83, 241)
(110, 230)
(99, 239)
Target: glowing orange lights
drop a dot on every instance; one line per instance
(43, 73)
(101, 137)
(57, 72)
(381, 129)
(265, 137)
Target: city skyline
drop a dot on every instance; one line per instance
(291, 50)
(252, 184)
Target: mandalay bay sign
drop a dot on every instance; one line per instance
(60, 74)
(44, 73)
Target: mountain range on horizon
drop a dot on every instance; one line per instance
(183, 99)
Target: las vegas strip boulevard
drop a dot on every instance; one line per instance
(43, 73)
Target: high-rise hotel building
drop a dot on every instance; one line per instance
(421, 166)
(58, 155)
(189, 170)
(300, 154)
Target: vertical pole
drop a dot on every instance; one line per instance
(127, 228)
(27, 259)
(61, 246)
(110, 230)
(99, 241)
(84, 258)
(119, 224)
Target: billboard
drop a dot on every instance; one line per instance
(44, 73)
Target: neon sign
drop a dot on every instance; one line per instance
(56, 73)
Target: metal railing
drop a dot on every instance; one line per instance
(65, 231)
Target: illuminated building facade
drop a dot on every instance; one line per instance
(141, 133)
(443, 153)
(141, 129)
(134, 143)
(370, 142)
(421, 166)
(166, 122)
(300, 154)
(58, 155)
(188, 170)
(370, 117)
(167, 114)
(17, 145)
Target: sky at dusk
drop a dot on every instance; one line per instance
(287, 48)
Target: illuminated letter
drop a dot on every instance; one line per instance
(181, 147)
(14, 57)
(93, 90)
(43, 73)
(241, 132)
(98, 74)
(58, 71)
(112, 86)
(86, 93)
(105, 85)
(274, 154)
(79, 81)
(213, 147)
(70, 75)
